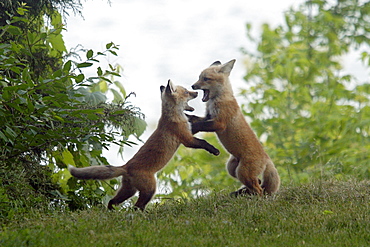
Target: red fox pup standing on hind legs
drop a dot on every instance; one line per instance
(138, 174)
(248, 159)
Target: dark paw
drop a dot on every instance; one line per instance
(215, 152)
(245, 191)
(138, 208)
(110, 206)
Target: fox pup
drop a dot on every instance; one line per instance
(138, 174)
(248, 159)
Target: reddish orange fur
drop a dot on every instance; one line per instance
(138, 174)
(223, 115)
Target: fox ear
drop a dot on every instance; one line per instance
(170, 87)
(216, 63)
(162, 88)
(227, 67)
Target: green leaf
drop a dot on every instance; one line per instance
(30, 105)
(79, 78)
(103, 86)
(95, 98)
(84, 65)
(106, 79)
(57, 42)
(72, 183)
(89, 54)
(26, 77)
(14, 30)
(56, 19)
(117, 96)
(140, 126)
(21, 11)
(113, 52)
(10, 132)
(99, 71)
(67, 158)
(67, 66)
(121, 88)
(109, 45)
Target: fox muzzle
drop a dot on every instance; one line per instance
(195, 87)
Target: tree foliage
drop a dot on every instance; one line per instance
(314, 116)
(54, 115)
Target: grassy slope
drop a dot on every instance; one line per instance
(329, 214)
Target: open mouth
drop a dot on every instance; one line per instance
(188, 108)
(205, 95)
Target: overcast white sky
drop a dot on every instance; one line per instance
(170, 39)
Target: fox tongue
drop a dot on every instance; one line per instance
(205, 95)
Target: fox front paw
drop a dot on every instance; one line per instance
(215, 151)
(110, 205)
(193, 118)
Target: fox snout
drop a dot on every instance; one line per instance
(193, 94)
(206, 91)
(195, 87)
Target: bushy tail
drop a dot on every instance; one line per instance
(97, 172)
(271, 179)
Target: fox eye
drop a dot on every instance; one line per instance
(186, 92)
(206, 79)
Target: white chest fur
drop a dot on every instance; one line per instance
(212, 109)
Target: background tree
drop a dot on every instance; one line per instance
(313, 115)
(52, 114)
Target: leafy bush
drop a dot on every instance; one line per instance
(54, 115)
(314, 117)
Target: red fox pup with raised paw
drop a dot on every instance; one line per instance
(138, 174)
(223, 115)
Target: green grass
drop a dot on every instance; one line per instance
(318, 214)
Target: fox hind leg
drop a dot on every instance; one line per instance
(144, 199)
(125, 192)
(146, 187)
(231, 165)
(232, 168)
(248, 175)
(244, 191)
